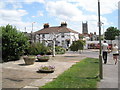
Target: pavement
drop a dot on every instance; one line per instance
(18, 76)
(110, 75)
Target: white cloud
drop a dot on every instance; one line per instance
(27, 1)
(17, 5)
(13, 17)
(107, 6)
(31, 1)
(71, 11)
(74, 11)
(40, 13)
(2, 5)
(63, 10)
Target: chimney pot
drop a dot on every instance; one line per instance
(46, 25)
(63, 24)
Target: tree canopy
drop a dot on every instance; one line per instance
(77, 45)
(14, 43)
(111, 32)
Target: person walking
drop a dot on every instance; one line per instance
(115, 53)
(105, 51)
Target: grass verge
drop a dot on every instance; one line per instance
(81, 75)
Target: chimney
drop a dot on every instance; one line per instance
(63, 24)
(46, 25)
(94, 33)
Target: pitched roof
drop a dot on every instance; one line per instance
(55, 30)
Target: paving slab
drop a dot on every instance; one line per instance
(18, 78)
(18, 75)
(110, 75)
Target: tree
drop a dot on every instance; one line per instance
(13, 43)
(77, 45)
(111, 33)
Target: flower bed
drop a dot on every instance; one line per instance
(47, 69)
(42, 58)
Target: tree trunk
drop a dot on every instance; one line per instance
(111, 44)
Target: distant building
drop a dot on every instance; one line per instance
(84, 28)
(62, 35)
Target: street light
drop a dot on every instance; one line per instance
(100, 50)
(32, 32)
(32, 26)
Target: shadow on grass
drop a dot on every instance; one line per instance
(95, 77)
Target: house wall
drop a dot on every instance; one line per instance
(58, 36)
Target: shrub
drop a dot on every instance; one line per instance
(77, 45)
(37, 48)
(13, 43)
(59, 50)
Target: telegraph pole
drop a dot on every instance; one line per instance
(100, 50)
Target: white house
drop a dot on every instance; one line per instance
(62, 35)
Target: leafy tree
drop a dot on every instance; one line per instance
(13, 43)
(77, 45)
(111, 33)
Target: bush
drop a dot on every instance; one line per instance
(37, 48)
(77, 45)
(59, 50)
(13, 43)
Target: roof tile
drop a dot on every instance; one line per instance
(55, 30)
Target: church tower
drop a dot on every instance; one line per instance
(84, 28)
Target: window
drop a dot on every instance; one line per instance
(63, 42)
(43, 35)
(62, 35)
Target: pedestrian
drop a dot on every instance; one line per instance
(105, 51)
(115, 53)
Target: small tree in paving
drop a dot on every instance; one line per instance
(13, 43)
(77, 45)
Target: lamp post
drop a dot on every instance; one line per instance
(32, 32)
(32, 26)
(100, 50)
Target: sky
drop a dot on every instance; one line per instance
(24, 13)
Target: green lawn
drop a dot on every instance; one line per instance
(80, 75)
